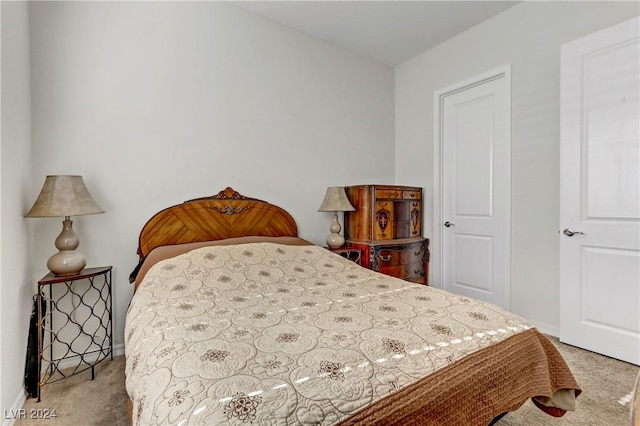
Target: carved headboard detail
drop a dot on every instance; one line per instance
(227, 214)
(226, 194)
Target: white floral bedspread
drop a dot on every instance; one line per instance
(272, 334)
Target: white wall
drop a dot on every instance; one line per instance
(155, 103)
(16, 287)
(529, 37)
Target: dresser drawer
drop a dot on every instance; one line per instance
(394, 255)
(411, 195)
(410, 272)
(389, 194)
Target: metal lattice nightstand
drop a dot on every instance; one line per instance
(77, 324)
(351, 253)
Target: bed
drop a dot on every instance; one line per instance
(237, 320)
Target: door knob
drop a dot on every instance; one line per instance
(570, 233)
(449, 224)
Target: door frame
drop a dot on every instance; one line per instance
(436, 263)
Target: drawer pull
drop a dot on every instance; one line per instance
(384, 258)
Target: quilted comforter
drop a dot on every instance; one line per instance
(273, 334)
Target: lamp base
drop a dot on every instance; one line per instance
(335, 240)
(66, 262)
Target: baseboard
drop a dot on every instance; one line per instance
(545, 328)
(10, 416)
(118, 350)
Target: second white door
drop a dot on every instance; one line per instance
(600, 192)
(475, 188)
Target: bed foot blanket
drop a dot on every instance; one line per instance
(534, 369)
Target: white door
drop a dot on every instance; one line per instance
(474, 153)
(600, 193)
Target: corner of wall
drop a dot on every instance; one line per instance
(15, 174)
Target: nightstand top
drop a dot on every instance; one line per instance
(343, 249)
(51, 278)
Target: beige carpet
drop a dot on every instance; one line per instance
(80, 401)
(605, 383)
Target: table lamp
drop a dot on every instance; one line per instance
(335, 200)
(65, 196)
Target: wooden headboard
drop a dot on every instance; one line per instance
(224, 215)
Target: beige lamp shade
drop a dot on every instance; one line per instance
(335, 200)
(65, 196)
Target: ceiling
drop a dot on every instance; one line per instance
(389, 32)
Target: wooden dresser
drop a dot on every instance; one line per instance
(387, 227)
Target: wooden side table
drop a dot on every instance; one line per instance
(351, 253)
(82, 311)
